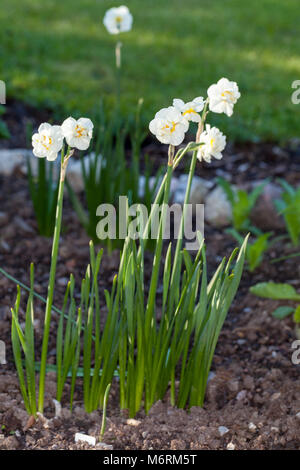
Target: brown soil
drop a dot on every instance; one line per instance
(255, 392)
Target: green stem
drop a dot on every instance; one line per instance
(118, 73)
(55, 245)
(176, 263)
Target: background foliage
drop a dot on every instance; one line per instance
(59, 54)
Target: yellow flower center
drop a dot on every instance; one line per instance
(119, 19)
(46, 142)
(172, 128)
(188, 111)
(227, 94)
(80, 131)
(212, 141)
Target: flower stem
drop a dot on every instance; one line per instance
(55, 245)
(118, 72)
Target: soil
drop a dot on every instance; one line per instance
(254, 391)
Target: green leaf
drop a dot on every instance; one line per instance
(256, 251)
(282, 312)
(272, 290)
(297, 315)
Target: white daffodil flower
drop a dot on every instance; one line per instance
(191, 109)
(47, 142)
(78, 134)
(118, 20)
(169, 126)
(213, 142)
(223, 96)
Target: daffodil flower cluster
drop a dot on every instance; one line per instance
(171, 124)
(48, 141)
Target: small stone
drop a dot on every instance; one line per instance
(252, 427)
(264, 214)
(223, 430)
(240, 342)
(275, 396)
(230, 446)
(275, 429)
(211, 376)
(10, 159)
(103, 446)
(218, 212)
(298, 415)
(241, 395)
(91, 440)
(133, 422)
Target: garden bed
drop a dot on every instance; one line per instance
(253, 394)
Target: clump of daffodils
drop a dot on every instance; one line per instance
(118, 20)
(48, 141)
(171, 124)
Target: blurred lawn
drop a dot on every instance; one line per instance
(58, 53)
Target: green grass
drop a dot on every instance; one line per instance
(58, 53)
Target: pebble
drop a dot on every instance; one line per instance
(252, 427)
(10, 159)
(133, 422)
(223, 430)
(230, 446)
(241, 395)
(298, 415)
(218, 212)
(91, 440)
(103, 446)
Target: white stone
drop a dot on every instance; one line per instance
(199, 189)
(217, 208)
(103, 446)
(241, 395)
(223, 430)
(91, 440)
(133, 422)
(252, 427)
(211, 376)
(10, 159)
(74, 171)
(230, 446)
